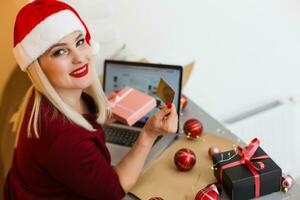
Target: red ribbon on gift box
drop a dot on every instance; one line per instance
(246, 154)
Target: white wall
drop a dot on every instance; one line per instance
(246, 51)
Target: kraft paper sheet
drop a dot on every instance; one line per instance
(162, 179)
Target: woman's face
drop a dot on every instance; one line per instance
(68, 63)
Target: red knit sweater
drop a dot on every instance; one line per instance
(66, 162)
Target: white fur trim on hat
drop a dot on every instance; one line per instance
(46, 34)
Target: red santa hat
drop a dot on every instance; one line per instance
(39, 25)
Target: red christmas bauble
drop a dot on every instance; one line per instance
(156, 198)
(183, 102)
(208, 193)
(185, 159)
(213, 150)
(193, 128)
(215, 186)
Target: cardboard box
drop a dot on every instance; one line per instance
(239, 182)
(131, 105)
(187, 71)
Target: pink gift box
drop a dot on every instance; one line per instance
(131, 105)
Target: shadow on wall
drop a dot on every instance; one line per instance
(13, 93)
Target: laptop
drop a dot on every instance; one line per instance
(145, 78)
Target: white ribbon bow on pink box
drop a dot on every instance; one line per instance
(130, 105)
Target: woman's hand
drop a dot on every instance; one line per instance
(163, 122)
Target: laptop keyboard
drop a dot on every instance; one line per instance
(120, 136)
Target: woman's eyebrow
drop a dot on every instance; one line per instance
(79, 36)
(64, 44)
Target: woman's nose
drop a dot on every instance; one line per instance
(77, 56)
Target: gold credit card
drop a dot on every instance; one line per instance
(165, 92)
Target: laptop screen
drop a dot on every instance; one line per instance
(143, 77)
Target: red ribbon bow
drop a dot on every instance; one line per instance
(246, 154)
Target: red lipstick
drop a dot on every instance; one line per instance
(80, 72)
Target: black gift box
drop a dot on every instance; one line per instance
(239, 182)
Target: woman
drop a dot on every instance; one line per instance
(60, 150)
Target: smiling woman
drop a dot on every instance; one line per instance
(60, 150)
(68, 65)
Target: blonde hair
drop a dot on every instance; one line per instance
(42, 86)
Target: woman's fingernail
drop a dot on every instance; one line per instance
(169, 105)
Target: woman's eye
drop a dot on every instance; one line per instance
(80, 42)
(59, 52)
